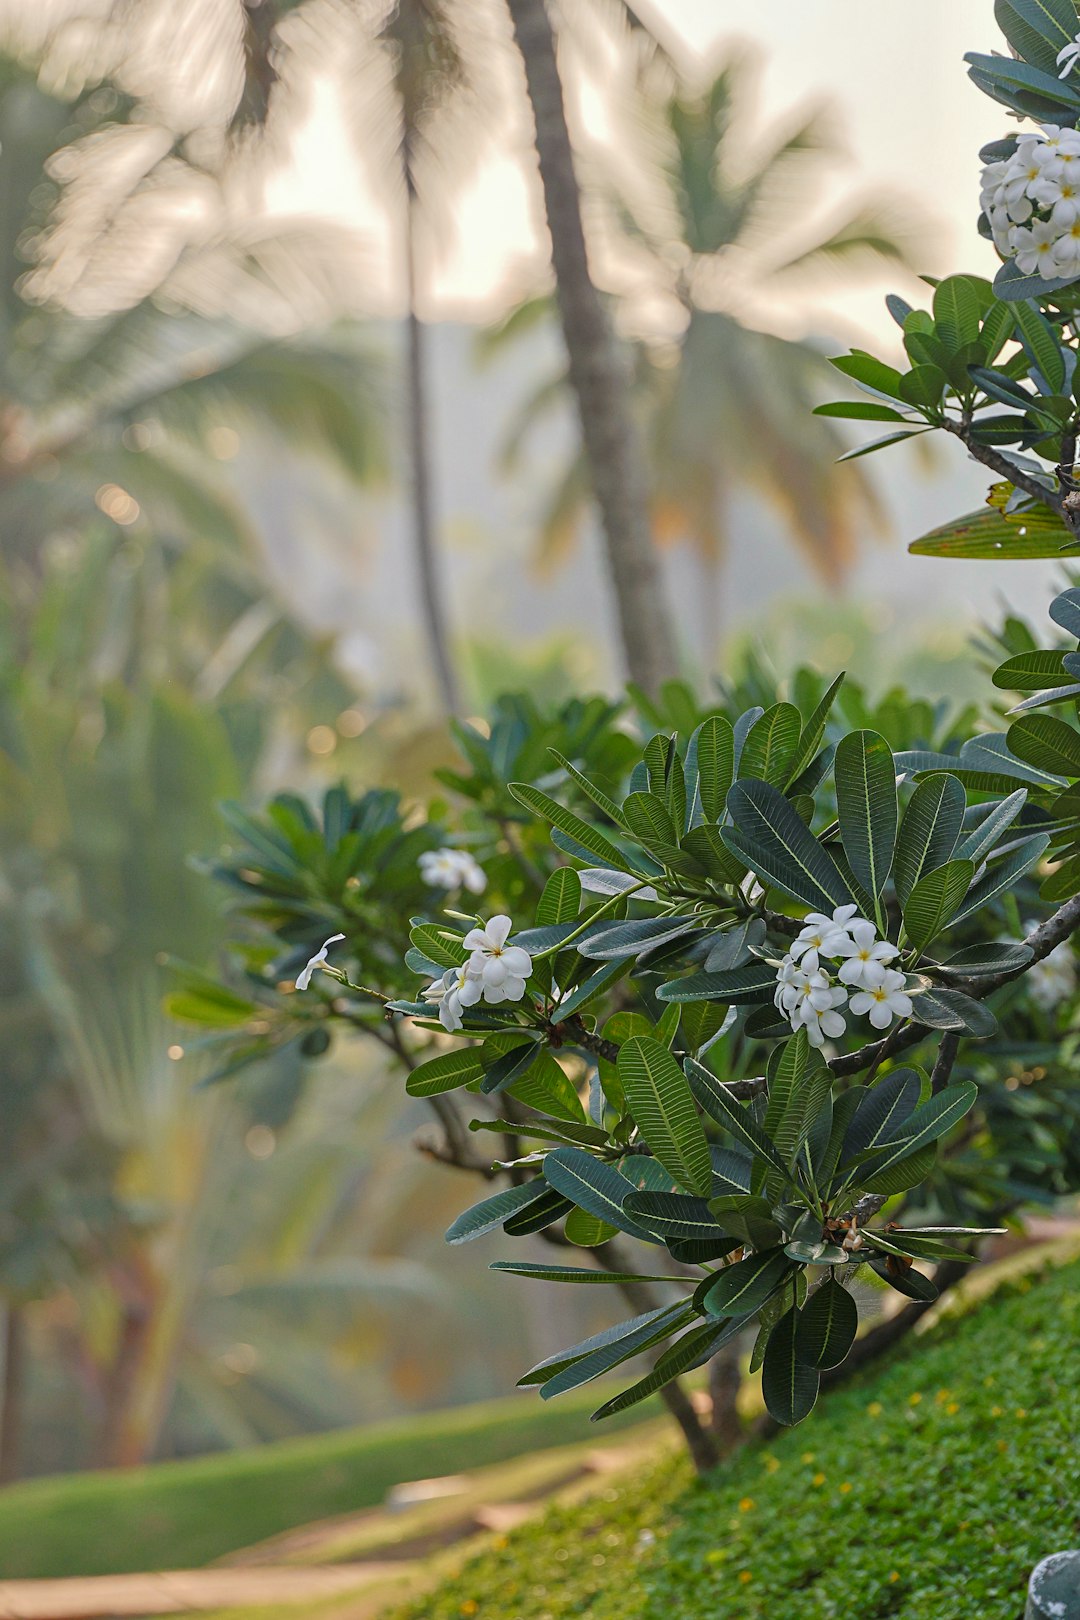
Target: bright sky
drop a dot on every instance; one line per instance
(910, 119)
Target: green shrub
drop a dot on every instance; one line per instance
(927, 1490)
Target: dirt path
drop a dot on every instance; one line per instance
(92, 1597)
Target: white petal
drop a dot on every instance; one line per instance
(494, 993)
(495, 971)
(861, 1003)
(518, 962)
(881, 1015)
(901, 1006)
(303, 978)
(476, 940)
(514, 989)
(498, 930)
(470, 992)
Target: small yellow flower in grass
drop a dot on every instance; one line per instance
(470, 1606)
(988, 1383)
(772, 1464)
(818, 1479)
(1021, 1411)
(875, 1409)
(746, 1504)
(952, 1408)
(1003, 1445)
(964, 1524)
(941, 1396)
(894, 1577)
(745, 1576)
(845, 1487)
(808, 1456)
(997, 1411)
(913, 1400)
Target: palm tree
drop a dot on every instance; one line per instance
(597, 371)
(727, 403)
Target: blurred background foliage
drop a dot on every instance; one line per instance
(207, 446)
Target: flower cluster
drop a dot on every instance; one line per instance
(495, 971)
(1032, 201)
(452, 869)
(811, 996)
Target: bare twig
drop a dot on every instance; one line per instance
(1007, 469)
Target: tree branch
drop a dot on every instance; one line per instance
(1001, 464)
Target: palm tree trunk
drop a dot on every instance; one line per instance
(11, 1394)
(420, 459)
(598, 372)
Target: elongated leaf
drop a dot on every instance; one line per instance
(780, 848)
(957, 309)
(928, 832)
(813, 731)
(714, 745)
(599, 847)
(543, 1212)
(543, 1370)
(574, 1274)
(509, 1066)
(1038, 29)
(662, 1105)
(882, 1113)
(1037, 336)
(447, 1072)
(866, 806)
(634, 937)
(561, 899)
(1065, 610)
(789, 1385)
(675, 1215)
(951, 1009)
(902, 1174)
(978, 844)
(599, 880)
(980, 961)
(706, 845)
(601, 800)
(438, 943)
(1031, 671)
(792, 1093)
(696, 1347)
(770, 745)
(658, 1325)
(923, 1127)
(648, 819)
(590, 988)
(740, 987)
(905, 1279)
(935, 900)
(991, 536)
(594, 1186)
(1003, 875)
(827, 1326)
(721, 1106)
(492, 1212)
(1046, 742)
(744, 1287)
(860, 410)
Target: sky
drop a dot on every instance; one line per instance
(910, 123)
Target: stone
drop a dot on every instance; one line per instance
(1054, 1588)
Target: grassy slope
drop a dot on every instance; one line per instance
(182, 1514)
(926, 1490)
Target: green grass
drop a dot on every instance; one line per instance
(183, 1514)
(926, 1490)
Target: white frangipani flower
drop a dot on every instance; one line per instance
(452, 869)
(865, 956)
(824, 934)
(303, 978)
(822, 1023)
(456, 988)
(885, 1001)
(1031, 201)
(1034, 249)
(501, 968)
(1067, 57)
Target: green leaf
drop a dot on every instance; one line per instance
(587, 1231)
(634, 937)
(951, 1009)
(1037, 336)
(599, 1361)
(1032, 671)
(648, 819)
(447, 1072)
(780, 848)
(990, 536)
(509, 1066)
(721, 1106)
(882, 1113)
(492, 1212)
(1003, 876)
(590, 790)
(673, 1216)
(869, 372)
(827, 1326)
(935, 900)
(543, 1370)
(695, 1347)
(573, 1274)
(599, 847)
(561, 899)
(923, 1128)
(957, 311)
(789, 1384)
(995, 956)
(438, 943)
(770, 745)
(594, 1186)
(906, 1280)
(590, 988)
(706, 845)
(1065, 611)
(978, 844)
(794, 1098)
(547, 1208)
(1048, 743)
(866, 806)
(742, 1288)
(1037, 29)
(739, 987)
(924, 386)
(929, 831)
(813, 731)
(902, 1174)
(860, 410)
(715, 754)
(881, 444)
(662, 1105)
